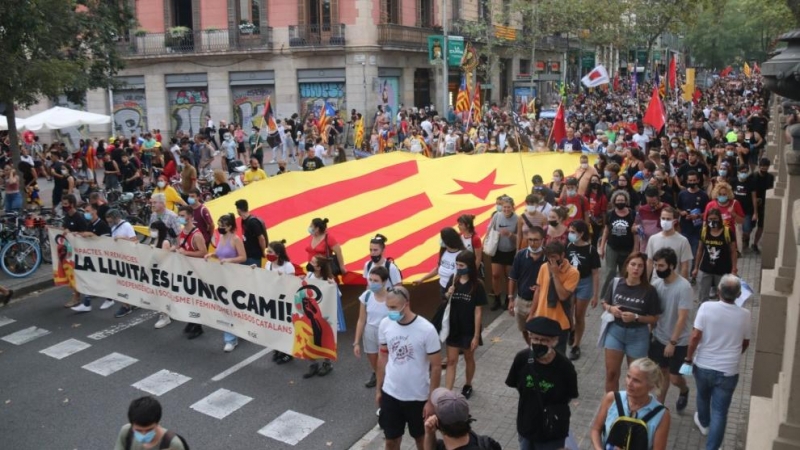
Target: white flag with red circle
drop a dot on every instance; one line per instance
(598, 76)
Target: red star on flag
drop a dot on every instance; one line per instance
(480, 189)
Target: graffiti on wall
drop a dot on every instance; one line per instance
(71, 136)
(313, 97)
(389, 93)
(248, 105)
(130, 113)
(187, 109)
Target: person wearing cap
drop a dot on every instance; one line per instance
(451, 417)
(762, 181)
(576, 203)
(546, 382)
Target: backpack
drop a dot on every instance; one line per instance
(166, 439)
(366, 299)
(485, 442)
(628, 433)
(387, 264)
(726, 233)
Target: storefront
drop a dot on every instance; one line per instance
(130, 106)
(187, 95)
(389, 83)
(249, 91)
(320, 86)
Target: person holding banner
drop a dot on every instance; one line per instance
(191, 243)
(97, 227)
(321, 270)
(277, 261)
(228, 248)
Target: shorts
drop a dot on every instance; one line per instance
(585, 289)
(674, 362)
(522, 308)
(748, 225)
(504, 258)
(395, 414)
(761, 210)
(240, 148)
(370, 339)
(462, 342)
(634, 342)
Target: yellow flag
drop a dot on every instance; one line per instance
(746, 70)
(359, 133)
(688, 87)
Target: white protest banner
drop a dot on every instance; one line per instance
(277, 311)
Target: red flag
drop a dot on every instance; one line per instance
(698, 94)
(655, 112)
(726, 71)
(756, 69)
(559, 125)
(673, 73)
(616, 82)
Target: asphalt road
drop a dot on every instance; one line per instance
(63, 390)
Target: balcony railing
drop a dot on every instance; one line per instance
(316, 35)
(192, 42)
(392, 35)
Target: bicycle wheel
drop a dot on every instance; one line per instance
(20, 258)
(44, 246)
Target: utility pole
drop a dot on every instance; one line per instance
(445, 56)
(533, 47)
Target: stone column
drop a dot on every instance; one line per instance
(155, 92)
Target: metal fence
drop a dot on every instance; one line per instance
(317, 35)
(393, 35)
(205, 41)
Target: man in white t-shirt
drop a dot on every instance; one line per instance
(409, 369)
(720, 337)
(120, 228)
(668, 237)
(641, 139)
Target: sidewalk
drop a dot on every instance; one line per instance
(494, 406)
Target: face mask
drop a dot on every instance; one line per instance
(557, 178)
(620, 206)
(374, 287)
(499, 208)
(722, 199)
(144, 438)
(571, 192)
(310, 268)
(540, 350)
(181, 221)
(154, 234)
(663, 273)
(161, 184)
(87, 216)
(728, 152)
(395, 316)
(691, 185)
(713, 223)
(607, 174)
(535, 250)
(584, 165)
(573, 237)
(723, 173)
(666, 225)
(191, 200)
(272, 258)
(464, 271)
(674, 145)
(223, 230)
(310, 230)
(553, 223)
(742, 176)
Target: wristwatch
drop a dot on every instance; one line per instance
(673, 342)
(688, 361)
(635, 317)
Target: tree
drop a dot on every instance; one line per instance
(54, 47)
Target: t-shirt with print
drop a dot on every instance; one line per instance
(472, 243)
(692, 201)
(407, 373)
(462, 308)
(314, 163)
(569, 279)
(717, 258)
(584, 258)
(639, 299)
(503, 223)
(577, 207)
(673, 297)
(620, 233)
(376, 309)
(556, 383)
(743, 193)
(447, 267)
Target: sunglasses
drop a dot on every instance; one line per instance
(400, 292)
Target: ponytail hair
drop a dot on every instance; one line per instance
(379, 240)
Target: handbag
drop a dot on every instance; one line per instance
(441, 318)
(492, 238)
(336, 269)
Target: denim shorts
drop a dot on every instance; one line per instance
(633, 342)
(585, 289)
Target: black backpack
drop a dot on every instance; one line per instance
(387, 264)
(166, 440)
(628, 433)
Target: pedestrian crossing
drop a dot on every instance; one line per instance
(290, 427)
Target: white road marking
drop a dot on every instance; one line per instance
(110, 331)
(161, 382)
(109, 364)
(66, 348)
(221, 403)
(25, 336)
(244, 363)
(291, 427)
(6, 320)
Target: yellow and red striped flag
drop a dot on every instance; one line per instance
(476, 104)
(462, 100)
(408, 198)
(359, 134)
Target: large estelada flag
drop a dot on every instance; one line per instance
(462, 99)
(407, 198)
(598, 76)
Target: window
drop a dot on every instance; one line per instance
(455, 12)
(524, 66)
(249, 16)
(484, 10)
(390, 12)
(425, 13)
(506, 12)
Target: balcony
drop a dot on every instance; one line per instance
(186, 41)
(399, 36)
(316, 36)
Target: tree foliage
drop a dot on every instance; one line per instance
(738, 30)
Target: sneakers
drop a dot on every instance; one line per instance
(82, 308)
(373, 381)
(313, 369)
(326, 368)
(756, 250)
(283, 358)
(163, 320)
(123, 311)
(229, 346)
(703, 430)
(683, 400)
(107, 304)
(466, 391)
(574, 353)
(195, 331)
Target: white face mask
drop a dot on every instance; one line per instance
(154, 234)
(530, 208)
(666, 225)
(584, 165)
(161, 184)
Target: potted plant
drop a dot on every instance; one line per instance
(178, 38)
(247, 27)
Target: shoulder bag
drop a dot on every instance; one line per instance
(492, 238)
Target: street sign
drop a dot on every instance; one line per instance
(455, 50)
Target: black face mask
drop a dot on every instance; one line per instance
(663, 273)
(375, 258)
(539, 350)
(620, 206)
(309, 268)
(713, 223)
(691, 185)
(553, 223)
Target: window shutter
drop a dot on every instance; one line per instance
(418, 22)
(301, 11)
(334, 12)
(383, 14)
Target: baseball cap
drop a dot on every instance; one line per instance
(543, 326)
(450, 407)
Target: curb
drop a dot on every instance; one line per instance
(374, 435)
